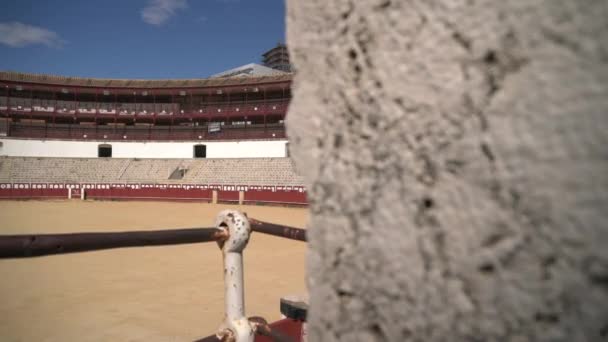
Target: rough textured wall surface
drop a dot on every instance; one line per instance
(456, 154)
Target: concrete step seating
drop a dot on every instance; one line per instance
(246, 171)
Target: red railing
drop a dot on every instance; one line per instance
(144, 110)
(292, 195)
(139, 133)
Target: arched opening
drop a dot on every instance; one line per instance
(200, 151)
(104, 151)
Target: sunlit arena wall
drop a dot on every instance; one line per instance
(148, 149)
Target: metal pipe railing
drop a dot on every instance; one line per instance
(261, 328)
(232, 231)
(236, 326)
(33, 245)
(23, 246)
(278, 230)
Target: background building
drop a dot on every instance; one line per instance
(277, 58)
(251, 69)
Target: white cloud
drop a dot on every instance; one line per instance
(16, 34)
(157, 12)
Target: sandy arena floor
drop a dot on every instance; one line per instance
(154, 294)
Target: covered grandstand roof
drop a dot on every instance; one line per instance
(249, 70)
(139, 83)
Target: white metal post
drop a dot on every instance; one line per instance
(236, 327)
(233, 285)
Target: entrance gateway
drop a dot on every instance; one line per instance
(104, 151)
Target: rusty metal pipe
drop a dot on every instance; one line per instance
(263, 328)
(23, 246)
(278, 230)
(275, 335)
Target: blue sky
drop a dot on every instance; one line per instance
(137, 38)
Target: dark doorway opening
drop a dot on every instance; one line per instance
(200, 151)
(104, 151)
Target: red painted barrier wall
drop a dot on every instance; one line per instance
(289, 197)
(150, 192)
(27, 191)
(186, 192)
(228, 196)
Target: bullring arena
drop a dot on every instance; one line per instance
(452, 155)
(167, 293)
(93, 155)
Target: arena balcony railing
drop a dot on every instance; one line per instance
(26, 106)
(230, 93)
(33, 130)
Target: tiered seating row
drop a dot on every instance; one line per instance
(248, 171)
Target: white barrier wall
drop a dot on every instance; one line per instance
(121, 149)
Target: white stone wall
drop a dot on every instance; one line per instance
(120, 149)
(456, 157)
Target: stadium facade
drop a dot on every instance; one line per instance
(215, 139)
(214, 112)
